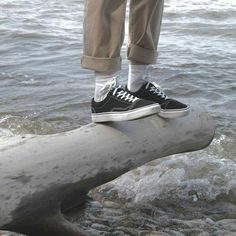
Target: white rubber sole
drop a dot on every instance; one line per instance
(174, 113)
(126, 115)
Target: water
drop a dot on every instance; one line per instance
(44, 90)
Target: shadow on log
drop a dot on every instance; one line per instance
(40, 173)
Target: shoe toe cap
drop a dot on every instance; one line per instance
(173, 104)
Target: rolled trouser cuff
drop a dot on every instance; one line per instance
(101, 64)
(142, 55)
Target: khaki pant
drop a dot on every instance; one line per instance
(104, 32)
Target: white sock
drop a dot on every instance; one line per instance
(103, 84)
(136, 77)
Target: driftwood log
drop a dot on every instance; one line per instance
(39, 174)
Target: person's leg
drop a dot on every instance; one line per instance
(103, 34)
(144, 31)
(103, 38)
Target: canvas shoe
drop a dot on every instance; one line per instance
(120, 105)
(170, 108)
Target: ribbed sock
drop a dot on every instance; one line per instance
(136, 77)
(103, 84)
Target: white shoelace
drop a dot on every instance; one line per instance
(122, 94)
(156, 90)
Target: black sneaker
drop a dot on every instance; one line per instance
(170, 108)
(120, 105)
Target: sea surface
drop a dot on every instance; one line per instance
(44, 90)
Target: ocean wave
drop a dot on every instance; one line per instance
(178, 179)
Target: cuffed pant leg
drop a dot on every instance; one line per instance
(144, 30)
(103, 34)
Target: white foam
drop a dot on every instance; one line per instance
(182, 177)
(7, 138)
